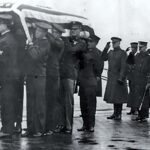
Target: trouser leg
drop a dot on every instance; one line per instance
(144, 113)
(69, 102)
(19, 101)
(52, 102)
(30, 104)
(84, 107)
(9, 96)
(91, 104)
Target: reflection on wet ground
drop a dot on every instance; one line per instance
(108, 135)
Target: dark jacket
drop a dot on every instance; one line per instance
(70, 58)
(55, 54)
(116, 88)
(140, 80)
(8, 58)
(37, 55)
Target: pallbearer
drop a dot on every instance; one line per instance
(37, 54)
(9, 73)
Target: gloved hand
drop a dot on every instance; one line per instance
(107, 45)
(127, 49)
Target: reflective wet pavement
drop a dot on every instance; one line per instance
(108, 135)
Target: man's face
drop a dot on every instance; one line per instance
(39, 33)
(134, 49)
(115, 44)
(75, 31)
(91, 44)
(142, 48)
(56, 33)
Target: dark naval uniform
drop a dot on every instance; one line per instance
(89, 70)
(130, 76)
(37, 55)
(9, 80)
(141, 75)
(53, 82)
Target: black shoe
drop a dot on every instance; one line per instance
(82, 129)
(143, 120)
(59, 129)
(118, 117)
(136, 119)
(129, 113)
(91, 129)
(27, 134)
(111, 117)
(18, 129)
(68, 131)
(38, 134)
(4, 135)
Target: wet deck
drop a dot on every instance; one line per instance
(108, 135)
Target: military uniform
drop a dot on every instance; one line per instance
(37, 55)
(88, 73)
(68, 76)
(21, 65)
(9, 80)
(53, 82)
(130, 76)
(116, 88)
(141, 73)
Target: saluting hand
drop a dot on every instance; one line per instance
(107, 45)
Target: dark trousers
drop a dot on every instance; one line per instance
(52, 104)
(144, 113)
(66, 101)
(8, 99)
(19, 100)
(118, 109)
(36, 104)
(88, 105)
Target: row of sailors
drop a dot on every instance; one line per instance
(51, 67)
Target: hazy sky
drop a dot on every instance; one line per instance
(128, 19)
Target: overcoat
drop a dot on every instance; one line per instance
(140, 80)
(116, 91)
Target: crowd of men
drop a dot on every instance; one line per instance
(53, 66)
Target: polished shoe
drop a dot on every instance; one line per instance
(118, 117)
(4, 135)
(18, 129)
(137, 119)
(91, 129)
(82, 129)
(132, 113)
(38, 134)
(68, 131)
(27, 134)
(111, 117)
(129, 113)
(59, 129)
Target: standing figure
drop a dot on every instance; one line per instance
(73, 45)
(37, 54)
(53, 77)
(141, 78)
(90, 69)
(9, 75)
(116, 88)
(130, 76)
